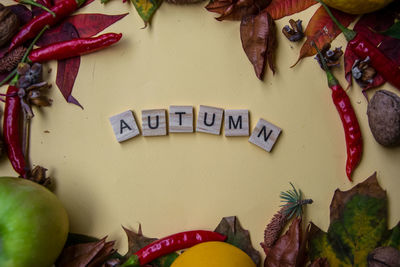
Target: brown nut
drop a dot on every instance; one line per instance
(384, 118)
(8, 24)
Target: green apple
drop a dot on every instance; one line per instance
(33, 224)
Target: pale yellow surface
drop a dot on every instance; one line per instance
(190, 181)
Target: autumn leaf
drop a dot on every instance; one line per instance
(358, 225)
(258, 35)
(146, 8)
(89, 25)
(282, 8)
(237, 236)
(370, 25)
(285, 251)
(236, 9)
(88, 254)
(23, 13)
(322, 30)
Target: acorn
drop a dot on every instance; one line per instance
(384, 118)
(8, 24)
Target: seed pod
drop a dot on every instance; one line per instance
(8, 24)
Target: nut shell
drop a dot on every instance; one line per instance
(384, 118)
(8, 24)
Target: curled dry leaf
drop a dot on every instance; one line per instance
(285, 252)
(86, 254)
(282, 8)
(237, 236)
(236, 9)
(322, 30)
(258, 35)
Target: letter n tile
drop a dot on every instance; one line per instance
(265, 135)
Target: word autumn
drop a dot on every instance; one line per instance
(209, 120)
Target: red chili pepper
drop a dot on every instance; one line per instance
(62, 9)
(364, 48)
(11, 131)
(74, 47)
(170, 244)
(349, 119)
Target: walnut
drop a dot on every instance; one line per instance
(384, 118)
(8, 24)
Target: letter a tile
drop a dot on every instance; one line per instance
(154, 122)
(236, 122)
(265, 135)
(124, 126)
(209, 120)
(181, 119)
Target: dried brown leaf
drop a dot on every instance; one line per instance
(136, 241)
(285, 252)
(236, 9)
(258, 35)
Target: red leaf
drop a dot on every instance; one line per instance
(258, 36)
(67, 70)
(370, 25)
(282, 8)
(37, 10)
(64, 32)
(89, 25)
(322, 30)
(236, 9)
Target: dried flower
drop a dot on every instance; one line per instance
(10, 61)
(294, 32)
(38, 175)
(29, 74)
(332, 57)
(362, 72)
(8, 24)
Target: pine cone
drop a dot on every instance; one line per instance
(10, 60)
(274, 229)
(8, 24)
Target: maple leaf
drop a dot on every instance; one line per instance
(358, 225)
(237, 236)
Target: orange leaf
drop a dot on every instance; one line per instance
(282, 8)
(322, 30)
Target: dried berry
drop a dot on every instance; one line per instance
(362, 72)
(10, 61)
(384, 118)
(8, 24)
(294, 32)
(332, 57)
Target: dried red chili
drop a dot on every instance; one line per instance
(74, 47)
(364, 48)
(62, 9)
(350, 123)
(11, 131)
(170, 244)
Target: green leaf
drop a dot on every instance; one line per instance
(165, 261)
(358, 226)
(146, 8)
(393, 31)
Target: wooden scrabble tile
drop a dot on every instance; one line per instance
(154, 122)
(209, 120)
(180, 119)
(236, 122)
(265, 135)
(124, 126)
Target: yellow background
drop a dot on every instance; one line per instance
(190, 181)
